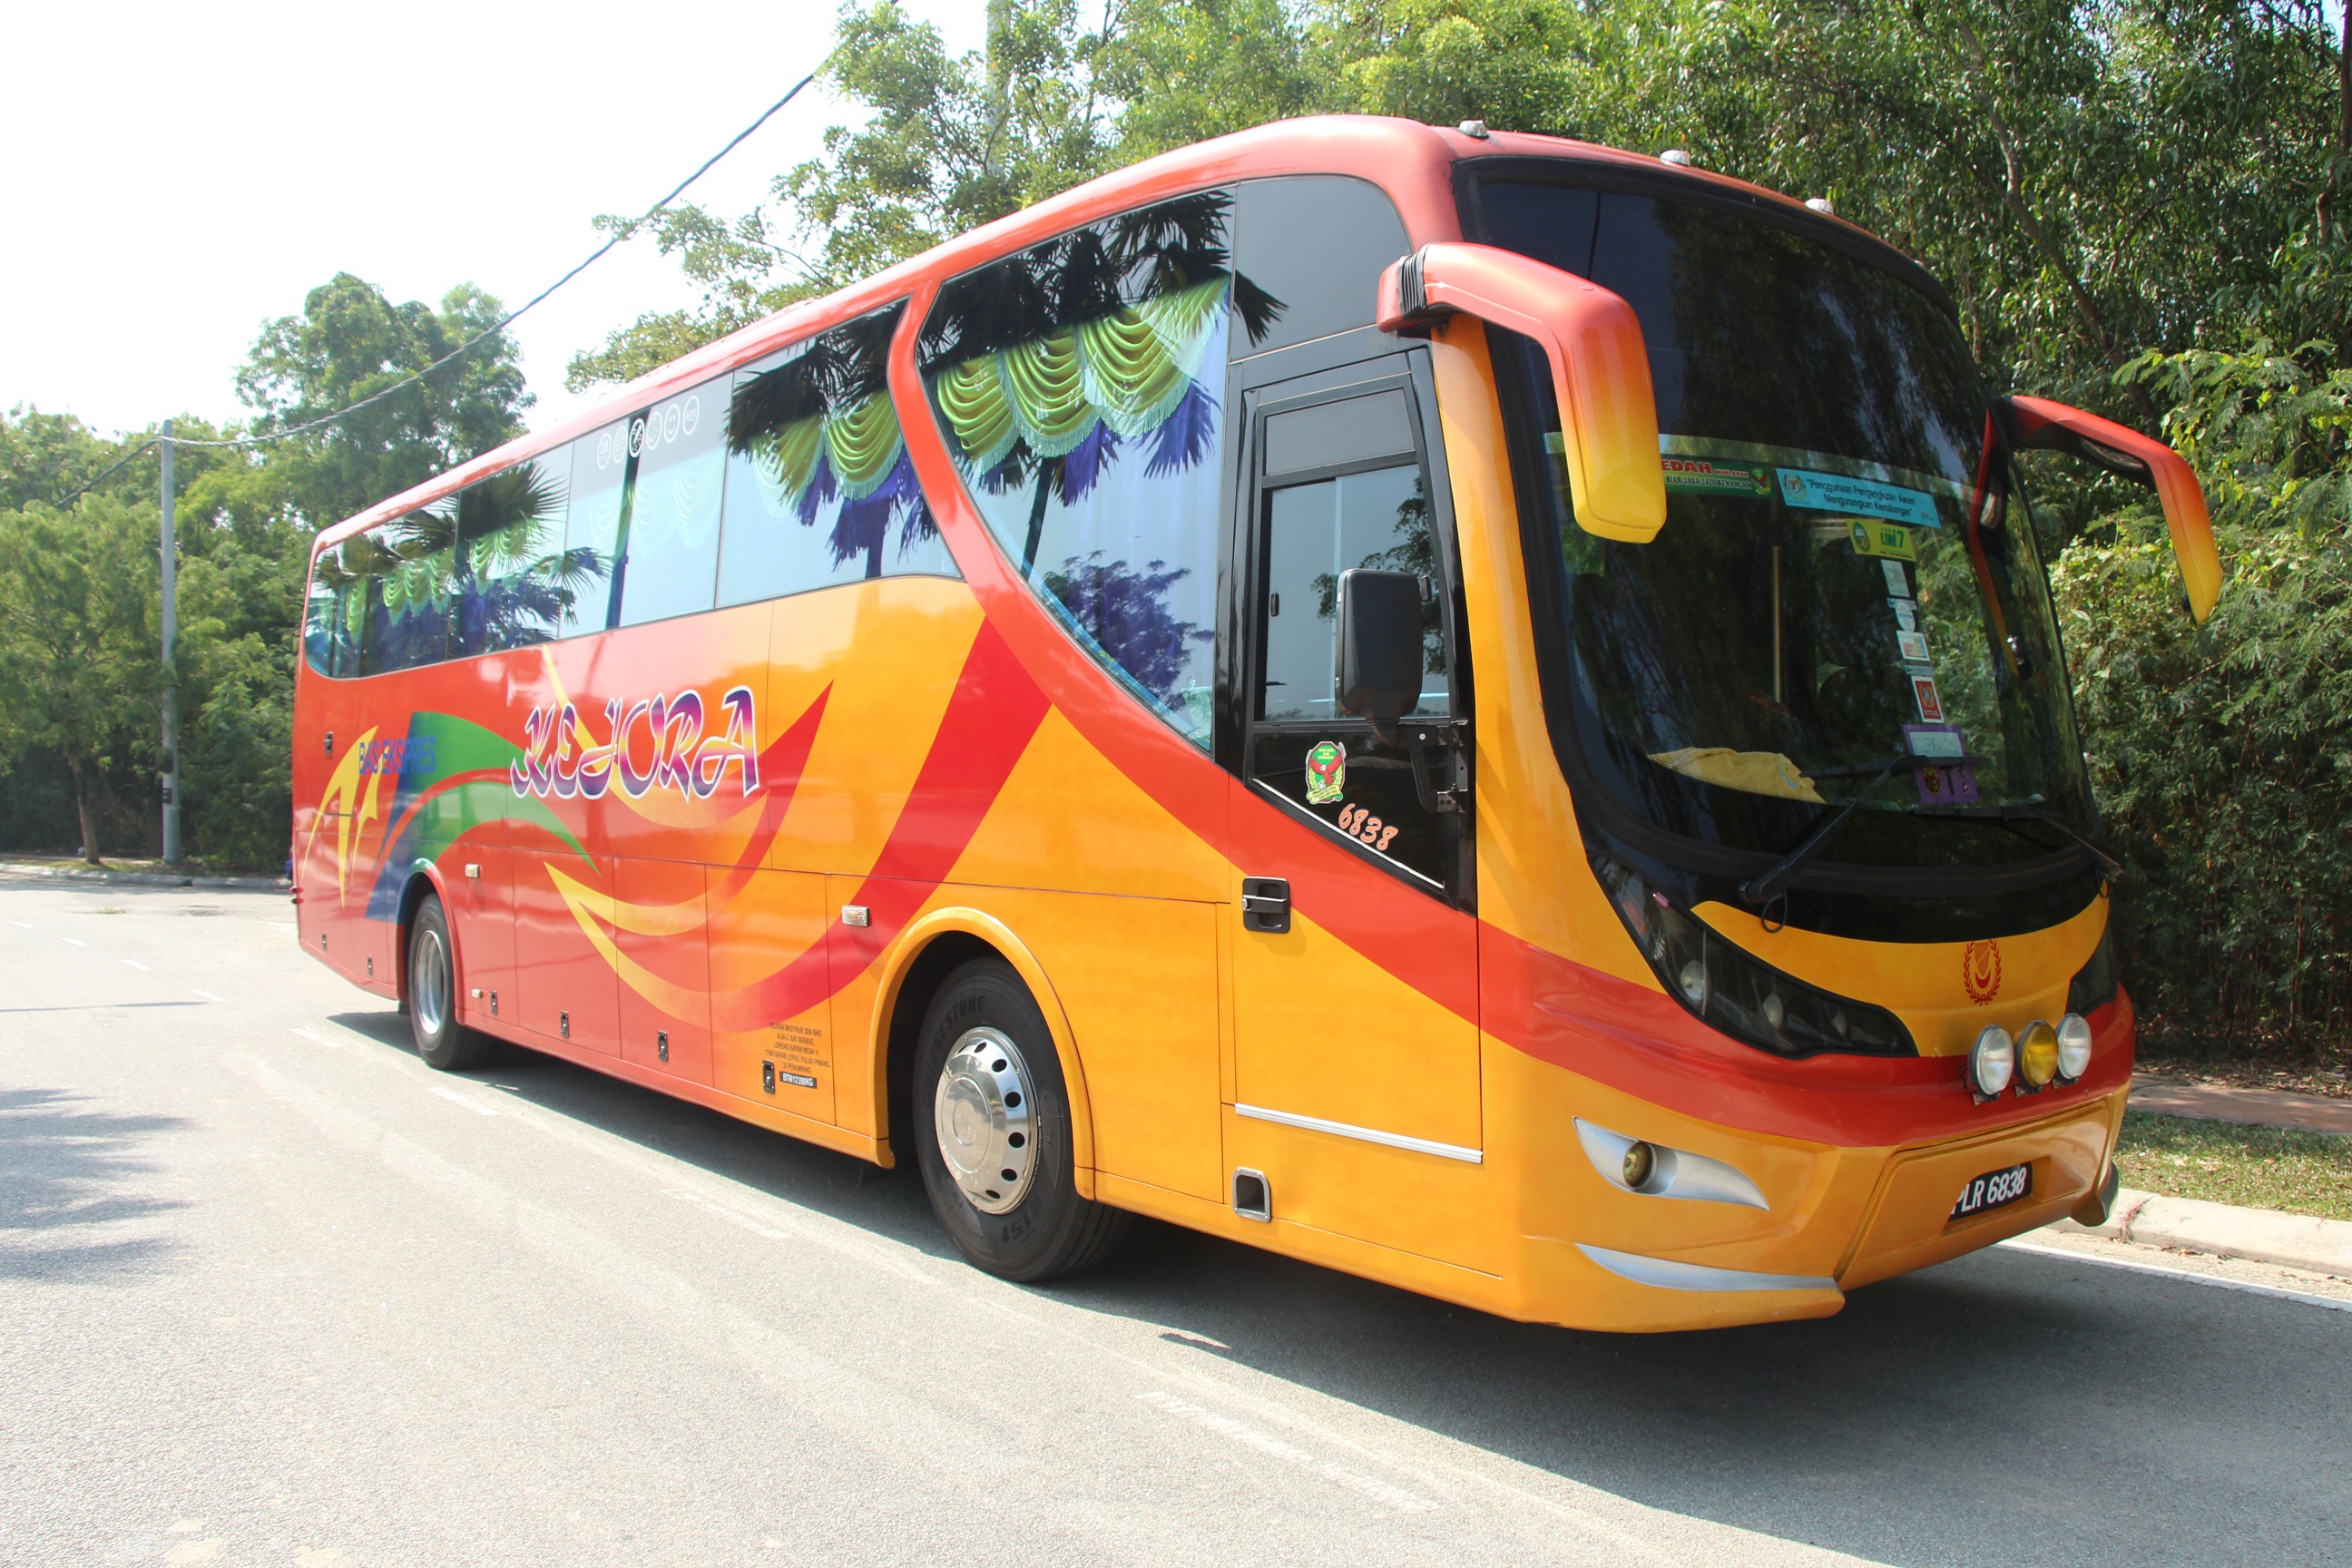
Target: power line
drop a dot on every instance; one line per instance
(622, 233)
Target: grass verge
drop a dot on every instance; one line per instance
(2226, 1163)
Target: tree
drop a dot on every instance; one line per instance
(77, 642)
(350, 342)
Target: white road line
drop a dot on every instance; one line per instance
(318, 1040)
(75, 942)
(1268, 1443)
(2018, 1243)
(207, 995)
(136, 964)
(22, 925)
(454, 1098)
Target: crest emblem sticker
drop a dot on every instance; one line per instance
(1326, 773)
(1980, 970)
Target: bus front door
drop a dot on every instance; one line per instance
(1355, 1083)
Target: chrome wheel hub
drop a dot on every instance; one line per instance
(984, 1120)
(429, 981)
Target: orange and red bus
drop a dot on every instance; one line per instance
(1476, 709)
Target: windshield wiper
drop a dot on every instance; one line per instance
(1774, 883)
(2009, 816)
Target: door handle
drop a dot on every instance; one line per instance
(1266, 904)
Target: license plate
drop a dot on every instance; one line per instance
(1993, 1190)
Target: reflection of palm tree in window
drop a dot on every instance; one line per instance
(511, 590)
(821, 428)
(1053, 366)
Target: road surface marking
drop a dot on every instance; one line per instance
(454, 1098)
(2019, 1243)
(136, 964)
(1268, 1443)
(318, 1040)
(75, 941)
(207, 995)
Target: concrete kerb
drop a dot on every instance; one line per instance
(2225, 1230)
(145, 879)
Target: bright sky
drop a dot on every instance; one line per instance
(185, 173)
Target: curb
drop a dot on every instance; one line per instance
(2263, 1235)
(146, 879)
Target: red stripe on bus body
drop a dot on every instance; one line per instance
(1640, 1041)
(994, 711)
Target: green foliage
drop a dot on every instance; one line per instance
(2222, 755)
(80, 636)
(2226, 1163)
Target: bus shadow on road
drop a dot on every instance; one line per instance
(65, 1172)
(2006, 1407)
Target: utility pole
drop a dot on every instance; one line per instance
(170, 563)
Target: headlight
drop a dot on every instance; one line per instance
(2037, 1055)
(1991, 1060)
(2074, 1046)
(1737, 993)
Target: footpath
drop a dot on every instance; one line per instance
(77, 872)
(2224, 1230)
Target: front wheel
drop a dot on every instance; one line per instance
(432, 994)
(992, 1132)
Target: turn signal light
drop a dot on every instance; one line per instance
(1991, 1061)
(2037, 1056)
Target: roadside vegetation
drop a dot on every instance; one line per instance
(2138, 206)
(2228, 1162)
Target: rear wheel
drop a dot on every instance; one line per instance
(431, 993)
(992, 1132)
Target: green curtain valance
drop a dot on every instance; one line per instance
(1127, 370)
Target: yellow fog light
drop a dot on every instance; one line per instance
(2074, 1046)
(1991, 1060)
(2037, 1055)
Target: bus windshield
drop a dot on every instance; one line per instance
(1847, 601)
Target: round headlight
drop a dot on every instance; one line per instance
(1641, 1161)
(2037, 1055)
(1693, 980)
(1991, 1060)
(2074, 1046)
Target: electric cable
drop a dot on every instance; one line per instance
(624, 232)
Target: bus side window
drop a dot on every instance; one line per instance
(1078, 385)
(409, 564)
(598, 485)
(507, 590)
(1316, 243)
(668, 544)
(330, 639)
(819, 489)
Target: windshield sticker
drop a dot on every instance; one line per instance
(1931, 707)
(1358, 822)
(1326, 773)
(1835, 493)
(1896, 583)
(1953, 786)
(1913, 646)
(1698, 476)
(1887, 541)
(1906, 614)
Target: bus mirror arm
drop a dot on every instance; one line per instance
(2036, 424)
(1600, 369)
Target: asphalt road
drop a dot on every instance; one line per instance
(273, 1292)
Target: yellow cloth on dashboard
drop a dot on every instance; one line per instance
(1758, 773)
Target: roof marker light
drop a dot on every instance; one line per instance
(1676, 156)
(1474, 129)
(1822, 205)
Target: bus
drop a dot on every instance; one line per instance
(1475, 709)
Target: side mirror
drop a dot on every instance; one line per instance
(1600, 369)
(1376, 673)
(2038, 424)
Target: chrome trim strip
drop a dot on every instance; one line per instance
(1668, 1274)
(1365, 1135)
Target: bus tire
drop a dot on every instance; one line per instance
(992, 1132)
(430, 992)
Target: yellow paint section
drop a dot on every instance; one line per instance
(338, 802)
(1533, 878)
(1925, 983)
